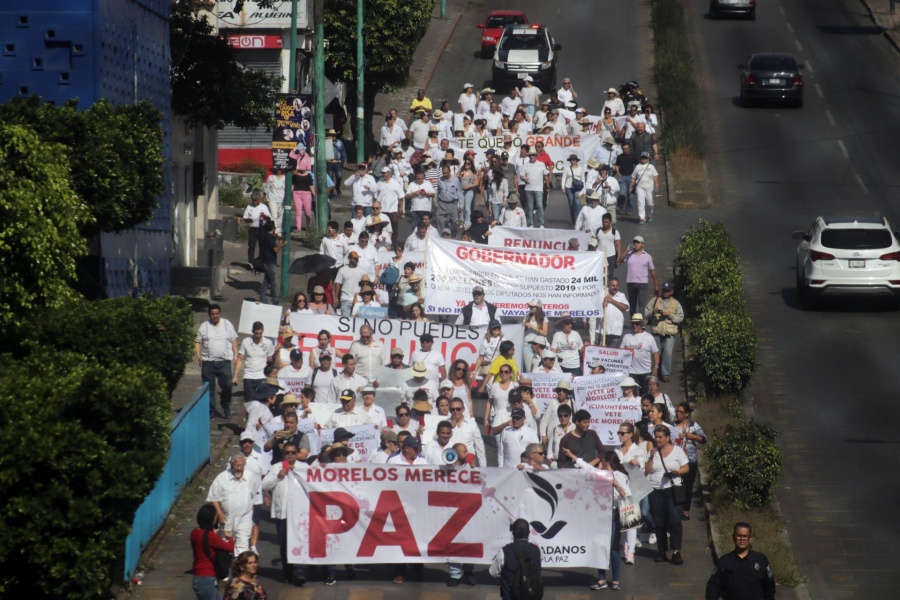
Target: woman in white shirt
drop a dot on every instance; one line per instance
(568, 346)
(324, 340)
(496, 190)
(658, 396)
(630, 453)
(468, 100)
(564, 414)
(462, 388)
(570, 175)
(664, 468)
(365, 298)
(489, 350)
(550, 419)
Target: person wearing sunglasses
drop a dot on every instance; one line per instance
(630, 452)
(276, 484)
(515, 439)
(465, 431)
(558, 432)
(534, 459)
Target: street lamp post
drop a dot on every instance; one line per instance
(360, 86)
(319, 129)
(287, 214)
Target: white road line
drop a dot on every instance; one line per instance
(830, 118)
(843, 149)
(799, 47)
(861, 184)
(819, 91)
(809, 66)
(791, 29)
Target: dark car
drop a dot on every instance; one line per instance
(493, 27)
(718, 8)
(771, 77)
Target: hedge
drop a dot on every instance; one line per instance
(745, 462)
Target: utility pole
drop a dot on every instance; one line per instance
(443, 9)
(319, 101)
(360, 86)
(288, 196)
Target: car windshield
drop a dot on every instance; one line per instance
(773, 63)
(856, 239)
(527, 41)
(503, 21)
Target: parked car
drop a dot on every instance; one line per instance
(771, 77)
(718, 8)
(847, 256)
(523, 51)
(493, 27)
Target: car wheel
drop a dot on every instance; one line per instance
(487, 53)
(752, 14)
(712, 12)
(745, 101)
(803, 295)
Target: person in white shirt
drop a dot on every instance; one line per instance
(550, 419)
(391, 133)
(233, 494)
(535, 175)
(420, 194)
(493, 119)
(608, 189)
(434, 449)
(409, 453)
(509, 104)
(418, 131)
(294, 376)
(254, 354)
(349, 413)
(591, 216)
(556, 433)
(432, 358)
(645, 361)
(320, 380)
(364, 299)
(368, 255)
(358, 220)
(252, 218)
(609, 242)
(420, 380)
(376, 414)
(347, 282)
(531, 96)
(378, 225)
(368, 353)
(347, 379)
(548, 363)
(468, 100)
(515, 438)
(512, 215)
(418, 239)
(645, 179)
(566, 93)
(347, 240)
(389, 447)
(484, 105)
(364, 187)
(276, 483)
(614, 103)
(332, 246)
(568, 346)
(466, 431)
(390, 197)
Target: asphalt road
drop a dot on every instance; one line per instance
(828, 377)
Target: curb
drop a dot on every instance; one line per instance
(443, 45)
(892, 39)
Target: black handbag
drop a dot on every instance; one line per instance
(221, 560)
(679, 495)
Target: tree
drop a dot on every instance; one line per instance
(39, 240)
(79, 451)
(209, 86)
(392, 30)
(115, 154)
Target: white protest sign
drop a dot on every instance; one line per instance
(294, 385)
(567, 282)
(559, 147)
(267, 314)
(370, 514)
(530, 238)
(601, 396)
(431, 424)
(452, 341)
(321, 411)
(638, 482)
(309, 429)
(544, 386)
(365, 442)
(615, 360)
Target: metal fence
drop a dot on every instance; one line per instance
(188, 453)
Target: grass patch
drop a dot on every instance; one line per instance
(311, 237)
(232, 195)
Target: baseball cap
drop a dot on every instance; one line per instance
(296, 355)
(548, 354)
(398, 351)
(446, 384)
(389, 435)
(325, 356)
(367, 390)
(595, 362)
(347, 395)
(517, 413)
(639, 239)
(426, 337)
(645, 155)
(494, 323)
(412, 442)
(666, 286)
(477, 290)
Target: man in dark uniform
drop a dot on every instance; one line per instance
(742, 574)
(506, 561)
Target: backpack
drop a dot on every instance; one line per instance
(390, 275)
(221, 561)
(312, 381)
(527, 584)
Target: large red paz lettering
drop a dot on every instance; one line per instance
(466, 506)
(389, 505)
(319, 523)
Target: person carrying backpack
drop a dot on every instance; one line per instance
(518, 565)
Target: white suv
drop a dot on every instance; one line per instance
(847, 256)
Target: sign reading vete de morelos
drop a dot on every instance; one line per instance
(566, 282)
(358, 514)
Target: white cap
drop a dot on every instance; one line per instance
(528, 78)
(446, 384)
(385, 169)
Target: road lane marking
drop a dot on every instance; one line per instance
(781, 8)
(830, 118)
(791, 29)
(843, 149)
(819, 91)
(809, 66)
(799, 47)
(861, 184)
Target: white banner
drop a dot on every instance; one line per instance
(365, 442)
(544, 386)
(365, 514)
(615, 360)
(559, 147)
(601, 396)
(567, 282)
(530, 238)
(267, 314)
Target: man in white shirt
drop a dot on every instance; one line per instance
(540, 116)
(591, 214)
(409, 453)
(320, 380)
(347, 240)
(364, 188)
(512, 215)
(531, 96)
(566, 93)
(466, 431)
(347, 379)
(349, 414)
(346, 283)
(294, 376)
(233, 493)
(378, 224)
(493, 119)
(276, 483)
(215, 348)
(535, 175)
(255, 353)
(615, 307)
(645, 361)
(391, 133)
(368, 353)
(418, 131)
(477, 312)
(420, 380)
(609, 242)
(332, 245)
(251, 218)
(515, 438)
(368, 255)
(434, 449)
(433, 359)
(391, 198)
(420, 194)
(509, 104)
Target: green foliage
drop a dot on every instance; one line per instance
(706, 266)
(311, 237)
(115, 155)
(156, 333)
(39, 240)
(79, 451)
(232, 194)
(724, 344)
(209, 86)
(679, 93)
(746, 462)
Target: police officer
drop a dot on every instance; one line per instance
(742, 574)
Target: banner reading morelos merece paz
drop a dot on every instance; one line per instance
(358, 514)
(566, 282)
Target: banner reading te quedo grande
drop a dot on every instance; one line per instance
(452, 341)
(530, 238)
(566, 282)
(601, 396)
(559, 147)
(358, 514)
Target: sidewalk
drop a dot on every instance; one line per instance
(880, 12)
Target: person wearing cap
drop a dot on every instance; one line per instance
(417, 133)
(420, 194)
(410, 453)
(644, 183)
(468, 99)
(396, 360)
(449, 201)
(420, 102)
(478, 311)
(645, 358)
(548, 361)
(365, 298)
(391, 133)
(568, 346)
(338, 162)
(233, 494)
(349, 414)
(376, 414)
(368, 254)
(389, 447)
(531, 95)
(346, 282)
(514, 439)
(445, 127)
(431, 357)
(664, 314)
(640, 271)
(538, 344)
(614, 102)
(254, 354)
(276, 484)
(591, 215)
(323, 376)
(294, 376)
(596, 366)
(573, 183)
(550, 419)
(536, 176)
(348, 378)
(420, 379)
